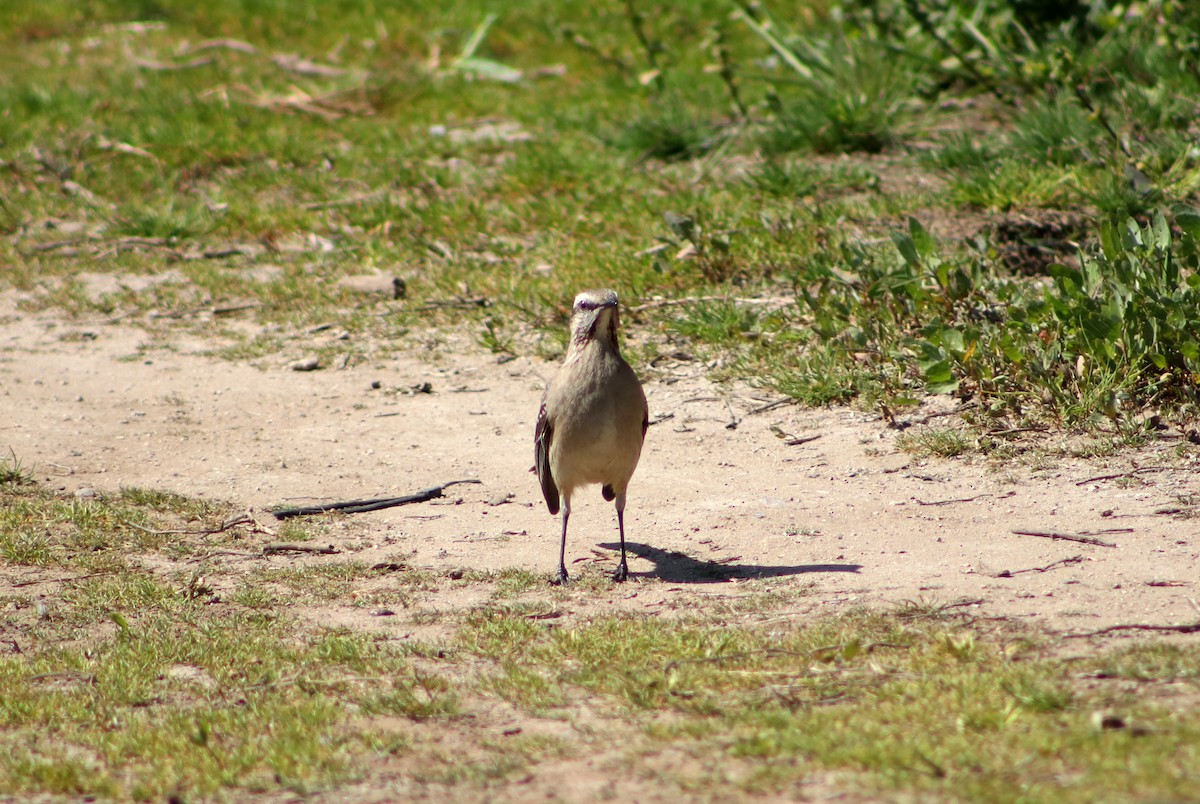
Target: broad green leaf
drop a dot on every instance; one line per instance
(1162, 232)
(1102, 328)
(939, 376)
(952, 339)
(907, 248)
(1131, 235)
(1068, 280)
(925, 244)
(1014, 353)
(1188, 219)
(1109, 242)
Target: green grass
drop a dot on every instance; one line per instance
(941, 443)
(904, 703)
(798, 179)
(133, 682)
(184, 701)
(12, 473)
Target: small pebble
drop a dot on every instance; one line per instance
(1104, 720)
(307, 364)
(375, 284)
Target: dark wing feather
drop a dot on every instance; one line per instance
(542, 435)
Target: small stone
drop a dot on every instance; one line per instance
(86, 493)
(307, 364)
(375, 284)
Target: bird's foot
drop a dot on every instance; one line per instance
(621, 572)
(560, 578)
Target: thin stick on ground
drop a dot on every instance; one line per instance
(361, 506)
(1066, 537)
(65, 580)
(1190, 628)
(960, 604)
(274, 549)
(243, 519)
(1118, 475)
(1062, 562)
(964, 499)
(787, 400)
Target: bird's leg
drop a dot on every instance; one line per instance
(561, 577)
(622, 570)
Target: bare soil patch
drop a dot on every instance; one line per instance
(721, 506)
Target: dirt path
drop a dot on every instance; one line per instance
(714, 510)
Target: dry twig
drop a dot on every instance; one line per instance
(1191, 628)
(166, 66)
(300, 65)
(274, 549)
(1067, 537)
(241, 519)
(787, 400)
(64, 580)
(360, 506)
(1130, 473)
(1004, 496)
(226, 44)
(1062, 562)
(960, 604)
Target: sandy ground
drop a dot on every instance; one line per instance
(720, 505)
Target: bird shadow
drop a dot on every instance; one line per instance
(675, 567)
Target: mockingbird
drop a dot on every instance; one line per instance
(593, 418)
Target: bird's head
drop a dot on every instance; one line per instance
(594, 317)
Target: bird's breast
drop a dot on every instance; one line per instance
(598, 429)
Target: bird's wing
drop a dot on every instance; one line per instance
(542, 435)
(645, 418)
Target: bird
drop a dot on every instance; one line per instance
(593, 419)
